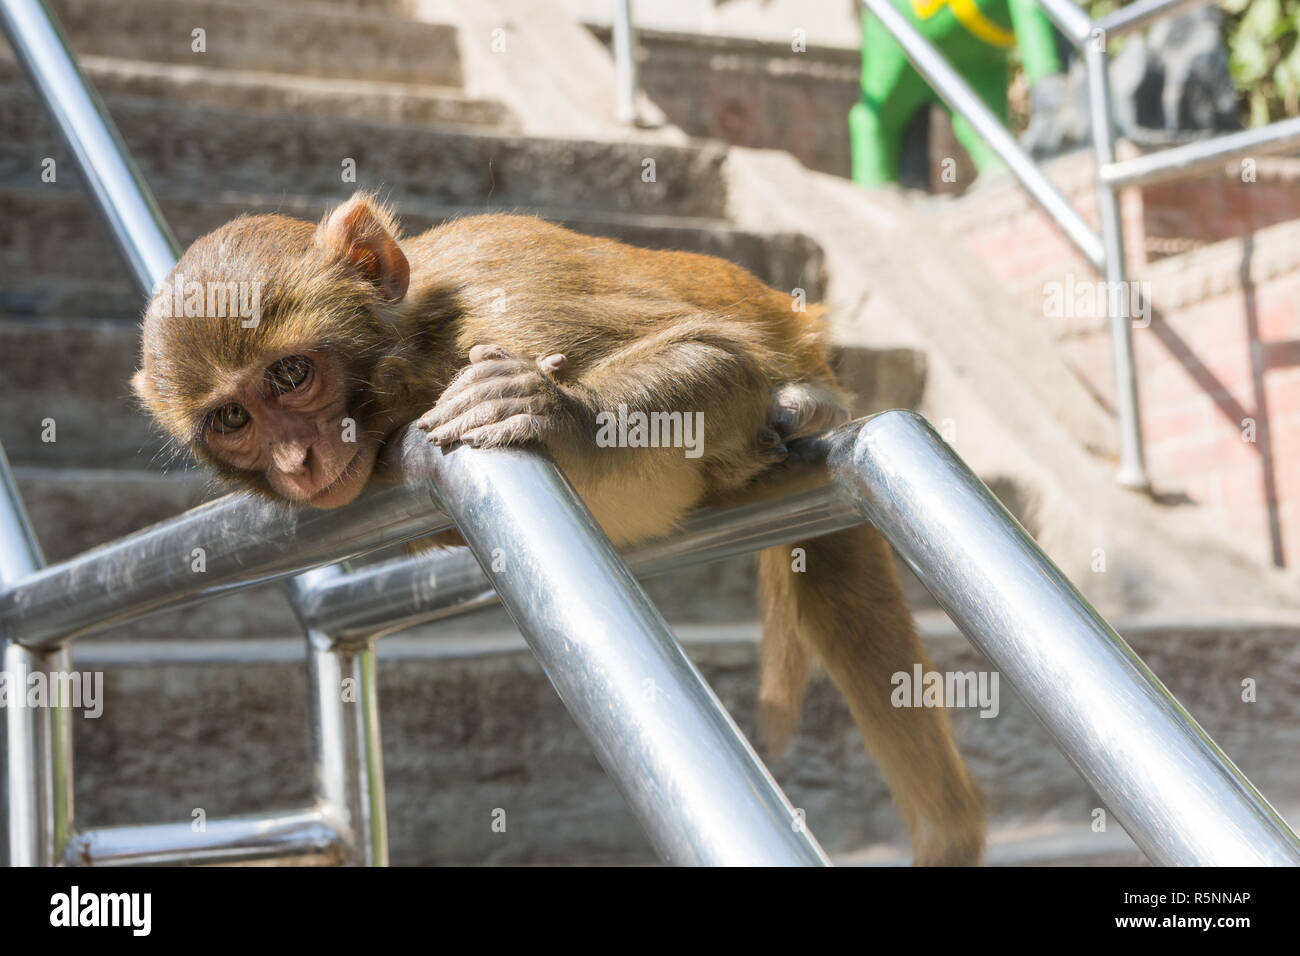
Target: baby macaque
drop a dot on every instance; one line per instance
(507, 330)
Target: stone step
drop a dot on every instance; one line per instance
(205, 152)
(280, 93)
(76, 373)
(398, 7)
(1036, 844)
(57, 259)
(390, 6)
(331, 40)
(471, 725)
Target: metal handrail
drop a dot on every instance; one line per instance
(1178, 795)
(1104, 250)
(1178, 162)
(383, 598)
(701, 793)
(224, 545)
(248, 541)
(119, 192)
(301, 837)
(626, 82)
(1140, 15)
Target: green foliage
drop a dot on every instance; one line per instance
(1264, 56)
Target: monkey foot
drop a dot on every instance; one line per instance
(800, 408)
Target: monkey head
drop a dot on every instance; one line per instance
(272, 352)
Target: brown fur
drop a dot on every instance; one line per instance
(857, 624)
(657, 331)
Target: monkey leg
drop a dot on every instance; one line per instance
(846, 608)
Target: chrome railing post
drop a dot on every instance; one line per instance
(1104, 252)
(623, 41)
(36, 765)
(1132, 471)
(697, 787)
(115, 184)
(1175, 792)
(348, 754)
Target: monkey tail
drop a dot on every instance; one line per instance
(837, 598)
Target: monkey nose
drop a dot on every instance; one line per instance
(289, 459)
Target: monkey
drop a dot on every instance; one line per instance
(506, 330)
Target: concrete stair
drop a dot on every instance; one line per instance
(328, 40)
(470, 725)
(252, 91)
(180, 146)
(58, 260)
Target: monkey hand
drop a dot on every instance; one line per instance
(499, 399)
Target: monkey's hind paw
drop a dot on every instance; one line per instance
(771, 449)
(497, 400)
(801, 408)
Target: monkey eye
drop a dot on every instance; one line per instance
(230, 418)
(288, 373)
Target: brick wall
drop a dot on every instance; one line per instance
(1220, 207)
(1219, 365)
(1220, 374)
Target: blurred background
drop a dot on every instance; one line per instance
(941, 277)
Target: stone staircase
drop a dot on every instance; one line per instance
(470, 725)
(206, 705)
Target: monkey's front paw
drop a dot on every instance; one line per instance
(496, 400)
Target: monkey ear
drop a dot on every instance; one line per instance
(143, 390)
(363, 236)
